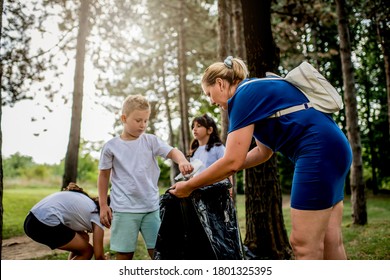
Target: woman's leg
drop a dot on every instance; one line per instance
(79, 247)
(308, 233)
(316, 234)
(333, 243)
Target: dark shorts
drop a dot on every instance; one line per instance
(52, 236)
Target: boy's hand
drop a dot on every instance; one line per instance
(106, 216)
(185, 168)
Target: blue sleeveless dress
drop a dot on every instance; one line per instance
(311, 139)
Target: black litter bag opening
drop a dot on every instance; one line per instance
(201, 227)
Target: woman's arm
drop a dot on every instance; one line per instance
(237, 146)
(257, 155)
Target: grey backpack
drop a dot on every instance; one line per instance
(321, 94)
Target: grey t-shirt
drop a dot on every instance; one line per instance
(134, 172)
(75, 210)
(208, 157)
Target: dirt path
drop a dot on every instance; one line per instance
(24, 248)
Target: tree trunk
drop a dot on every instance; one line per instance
(185, 131)
(373, 183)
(238, 51)
(224, 22)
(383, 33)
(174, 166)
(238, 30)
(356, 176)
(266, 235)
(1, 143)
(72, 153)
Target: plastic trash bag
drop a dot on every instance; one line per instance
(201, 227)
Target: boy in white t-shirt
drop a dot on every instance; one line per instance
(129, 161)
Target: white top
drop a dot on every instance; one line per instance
(75, 210)
(134, 172)
(208, 157)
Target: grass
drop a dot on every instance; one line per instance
(372, 241)
(369, 242)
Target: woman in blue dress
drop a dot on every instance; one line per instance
(280, 118)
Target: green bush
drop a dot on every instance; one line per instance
(17, 165)
(165, 173)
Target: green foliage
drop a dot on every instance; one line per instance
(19, 67)
(308, 31)
(302, 30)
(240, 182)
(87, 168)
(165, 171)
(16, 165)
(23, 167)
(147, 64)
(386, 184)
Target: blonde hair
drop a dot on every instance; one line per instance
(134, 102)
(237, 72)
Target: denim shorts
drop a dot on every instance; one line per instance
(126, 226)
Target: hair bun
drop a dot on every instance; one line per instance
(228, 62)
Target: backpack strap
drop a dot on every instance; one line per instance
(291, 110)
(272, 76)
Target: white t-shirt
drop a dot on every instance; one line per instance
(75, 210)
(134, 172)
(208, 157)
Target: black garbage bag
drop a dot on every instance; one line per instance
(201, 227)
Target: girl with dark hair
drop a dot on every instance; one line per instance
(206, 145)
(62, 220)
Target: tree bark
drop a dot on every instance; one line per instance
(1, 143)
(238, 30)
(238, 51)
(373, 183)
(185, 131)
(224, 22)
(266, 235)
(72, 153)
(174, 167)
(356, 176)
(383, 33)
